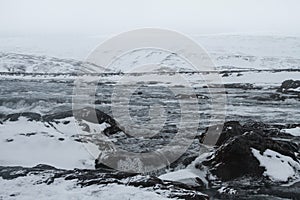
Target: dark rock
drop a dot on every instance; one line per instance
(255, 126)
(87, 114)
(80, 140)
(111, 130)
(271, 97)
(288, 84)
(28, 134)
(44, 167)
(94, 116)
(292, 126)
(57, 116)
(230, 129)
(243, 86)
(31, 116)
(277, 97)
(234, 158)
(102, 102)
(66, 122)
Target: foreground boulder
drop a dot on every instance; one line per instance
(234, 157)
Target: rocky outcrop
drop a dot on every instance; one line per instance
(29, 115)
(88, 114)
(233, 157)
(287, 86)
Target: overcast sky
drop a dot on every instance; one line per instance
(96, 17)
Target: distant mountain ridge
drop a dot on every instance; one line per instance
(24, 63)
(35, 64)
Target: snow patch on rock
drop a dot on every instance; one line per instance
(278, 167)
(293, 131)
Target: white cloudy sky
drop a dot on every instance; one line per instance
(101, 17)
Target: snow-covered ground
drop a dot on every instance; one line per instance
(28, 143)
(25, 188)
(293, 131)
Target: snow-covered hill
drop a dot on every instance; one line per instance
(226, 51)
(23, 63)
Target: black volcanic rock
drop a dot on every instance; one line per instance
(233, 157)
(230, 129)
